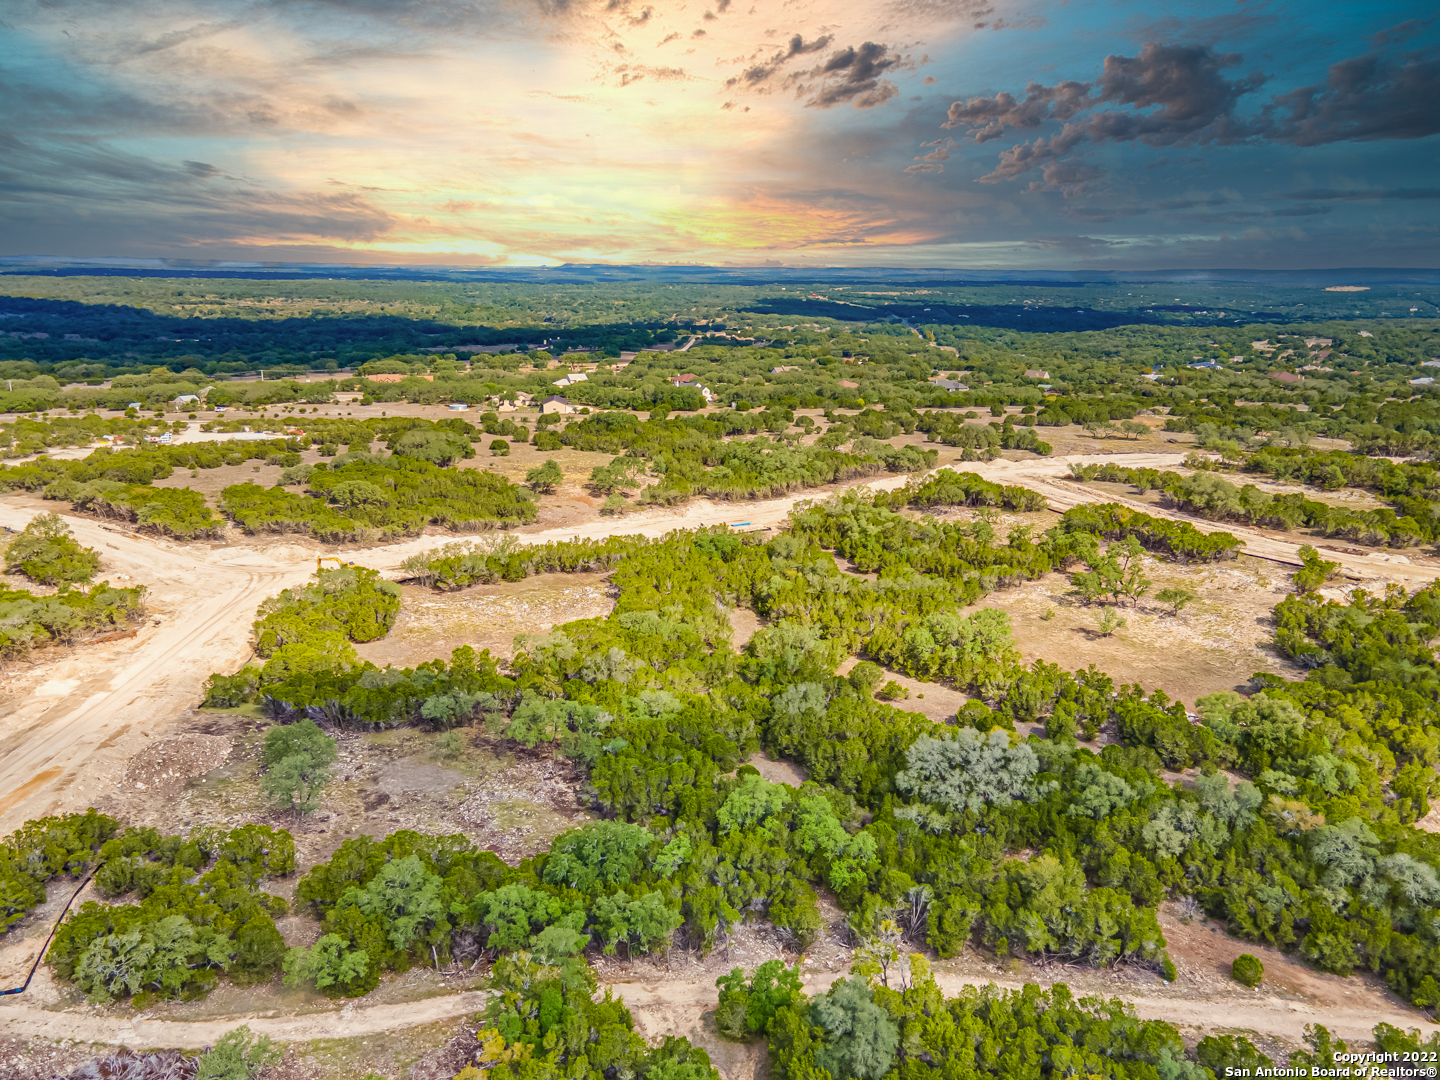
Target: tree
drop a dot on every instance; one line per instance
(545, 478)
(604, 852)
(966, 770)
(358, 495)
(298, 759)
(1314, 571)
(331, 964)
(860, 1038)
(750, 804)
(1177, 598)
(748, 1007)
(866, 676)
(1133, 583)
(1108, 621)
(499, 448)
(47, 553)
(405, 897)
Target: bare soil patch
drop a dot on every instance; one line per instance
(1214, 644)
(166, 764)
(431, 624)
(935, 701)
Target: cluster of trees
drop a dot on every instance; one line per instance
(47, 552)
(1210, 496)
(367, 497)
(1177, 540)
(28, 621)
(983, 442)
(890, 1019)
(544, 1022)
(41, 851)
(503, 558)
(697, 456)
(197, 910)
(307, 631)
(23, 436)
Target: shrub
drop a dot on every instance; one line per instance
(239, 1055)
(499, 448)
(1247, 970)
(47, 553)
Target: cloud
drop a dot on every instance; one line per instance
(1180, 95)
(758, 74)
(1364, 98)
(988, 118)
(1400, 32)
(1330, 195)
(1071, 178)
(854, 75)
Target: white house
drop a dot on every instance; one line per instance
(571, 380)
(557, 404)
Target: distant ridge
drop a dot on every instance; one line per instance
(577, 273)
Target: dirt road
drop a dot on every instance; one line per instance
(663, 1008)
(65, 739)
(676, 1008)
(351, 1021)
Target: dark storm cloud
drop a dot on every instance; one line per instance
(1364, 98)
(855, 75)
(1181, 95)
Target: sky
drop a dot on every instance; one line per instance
(1065, 134)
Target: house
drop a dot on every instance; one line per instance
(1206, 365)
(684, 380)
(164, 440)
(458, 406)
(395, 376)
(953, 385)
(571, 380)
(1287, 377)
(186, 401)
(706, 393)
(1151, 376)
(783, 368)
(1313, 341)
(1431, 363)
(1036, 374)
(849, 385)
(1427, 381)
(556, 404)
(134, 405)
(1366, 333)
